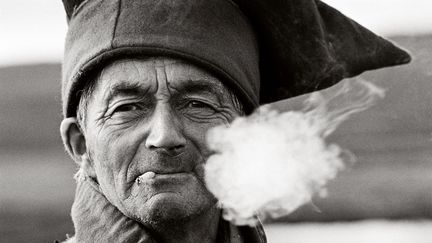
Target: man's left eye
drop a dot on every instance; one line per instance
(198, 104)
(199, 108)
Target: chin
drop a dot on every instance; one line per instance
(169, 208)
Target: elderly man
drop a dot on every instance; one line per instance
(144, 80)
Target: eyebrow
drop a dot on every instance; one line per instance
(198, 87)
(125, 88)
(183, 87)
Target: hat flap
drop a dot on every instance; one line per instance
(306, 45)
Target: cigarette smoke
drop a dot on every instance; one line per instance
(271, 163)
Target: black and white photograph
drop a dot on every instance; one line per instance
(216, 121)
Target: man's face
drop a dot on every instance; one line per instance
(149, 118)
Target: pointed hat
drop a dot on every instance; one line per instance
(264, 50)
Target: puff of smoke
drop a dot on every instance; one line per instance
(271, 163)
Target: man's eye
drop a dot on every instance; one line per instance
(198, 104)
(199, 108)
(126, 108)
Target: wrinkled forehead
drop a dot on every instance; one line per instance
(151, 74)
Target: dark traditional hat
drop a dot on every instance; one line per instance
(265, 50)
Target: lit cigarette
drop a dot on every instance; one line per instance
(146, 176)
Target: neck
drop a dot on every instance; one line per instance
(198, 229)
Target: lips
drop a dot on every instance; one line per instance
(151, 175)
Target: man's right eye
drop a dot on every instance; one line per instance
(127, 108)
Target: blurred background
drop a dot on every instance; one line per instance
(385, 197)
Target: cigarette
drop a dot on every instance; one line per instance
(146, 176)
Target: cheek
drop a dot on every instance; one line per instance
(109, 151)
(113, 153)
(196, 133)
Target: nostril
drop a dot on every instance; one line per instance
(176, 150)
(170, 151)
(152, 147)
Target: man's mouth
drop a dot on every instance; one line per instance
(151, 175)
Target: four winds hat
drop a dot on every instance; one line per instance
(264, 50)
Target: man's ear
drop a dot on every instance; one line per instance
(75, 144)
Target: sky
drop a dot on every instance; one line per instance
(33, 31)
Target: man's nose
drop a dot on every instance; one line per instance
(165, 133)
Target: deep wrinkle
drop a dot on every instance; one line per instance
(125, 88)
